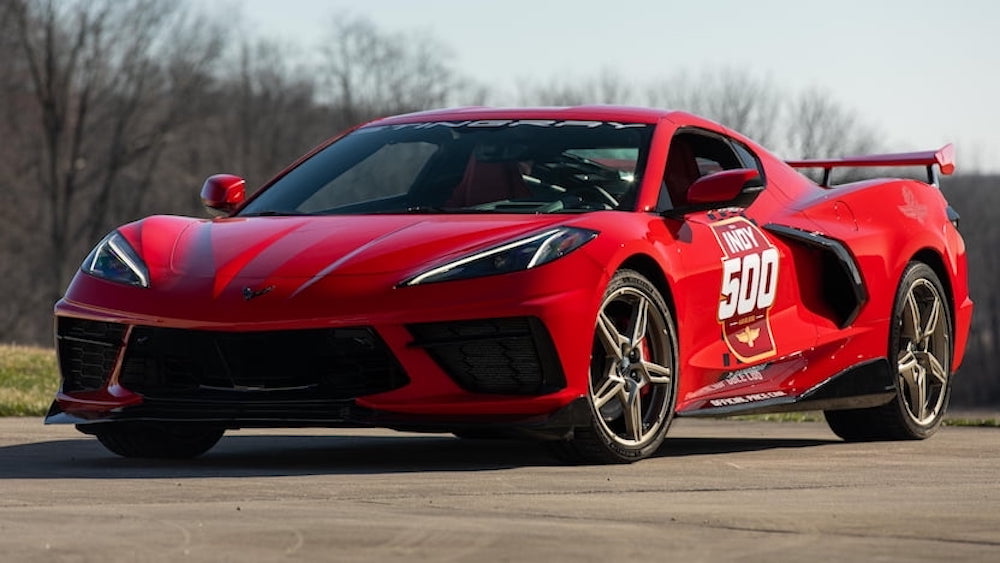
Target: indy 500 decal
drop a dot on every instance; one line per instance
(749, 287)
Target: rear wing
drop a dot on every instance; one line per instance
(943, 158)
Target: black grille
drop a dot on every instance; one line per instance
(88, 351)
(504, 356)
(335, 363)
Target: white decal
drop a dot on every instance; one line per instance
(496, 123)
(749, 282)
(744, 399)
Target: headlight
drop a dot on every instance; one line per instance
(521, 254)
(114, 259)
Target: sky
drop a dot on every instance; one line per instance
(923, 73)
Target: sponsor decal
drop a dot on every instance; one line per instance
(495, 123)
(739, 378)
(911, 207)
(749, 288)
(744, 399)
(745, 375)
(724, 213)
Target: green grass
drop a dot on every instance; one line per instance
(28, 380)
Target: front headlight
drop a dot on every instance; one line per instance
(521, 254)
(115, 260)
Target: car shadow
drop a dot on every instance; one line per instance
(302, 455)
(680, 447)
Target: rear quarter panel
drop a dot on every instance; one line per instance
(887, 224)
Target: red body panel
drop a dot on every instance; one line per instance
(246, 274)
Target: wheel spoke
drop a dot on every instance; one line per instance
(906, 362)
(633, 413)
(933, 318)
(936, 369)
(610, 338)
(655, 373)
(922, 396)
(911, 373)
(911, 318)
(918, 392)
(612, 387)
(640, 320)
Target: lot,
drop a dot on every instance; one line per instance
(721, 491)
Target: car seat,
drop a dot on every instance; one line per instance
(681, 172)
(486, 181)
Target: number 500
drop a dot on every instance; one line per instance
(748, 282)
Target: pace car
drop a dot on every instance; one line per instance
(577, 275)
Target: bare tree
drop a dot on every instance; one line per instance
(262, 115)
(745, 102)
(606, 86)
(371, 72)
(820, 127)
(110, 81)
(795, 125)
(103, 83)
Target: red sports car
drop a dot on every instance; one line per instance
(575, 275)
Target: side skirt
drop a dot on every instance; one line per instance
(870, 384)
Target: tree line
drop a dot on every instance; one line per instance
(117, 109)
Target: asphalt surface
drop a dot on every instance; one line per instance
(719, 491)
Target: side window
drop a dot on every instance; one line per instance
(749, 160)
(693, 154)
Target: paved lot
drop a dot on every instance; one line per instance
(720, 491)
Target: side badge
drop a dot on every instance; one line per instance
(249, 293)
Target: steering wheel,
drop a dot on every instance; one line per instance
(597, 194)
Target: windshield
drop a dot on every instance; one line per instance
(495, 166)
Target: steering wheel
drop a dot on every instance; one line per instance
(597, 194)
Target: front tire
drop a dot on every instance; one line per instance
(156, 440)
(920, 342)
(633, 376)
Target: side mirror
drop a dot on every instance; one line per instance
(721, 186)
(223, 193)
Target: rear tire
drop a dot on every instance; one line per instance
(920, 343)
(158, 440)
(633, 377)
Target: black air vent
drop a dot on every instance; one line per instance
(503, 356)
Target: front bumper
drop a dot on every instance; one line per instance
(489, 349)
(500, 371)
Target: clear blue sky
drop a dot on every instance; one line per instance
(922, 72)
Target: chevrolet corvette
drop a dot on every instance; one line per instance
(578, 276)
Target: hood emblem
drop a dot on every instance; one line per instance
(250, 293)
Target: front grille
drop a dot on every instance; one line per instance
(336, 362)
(88, 351)
(512, 356)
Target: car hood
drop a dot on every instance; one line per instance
(315, 247)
